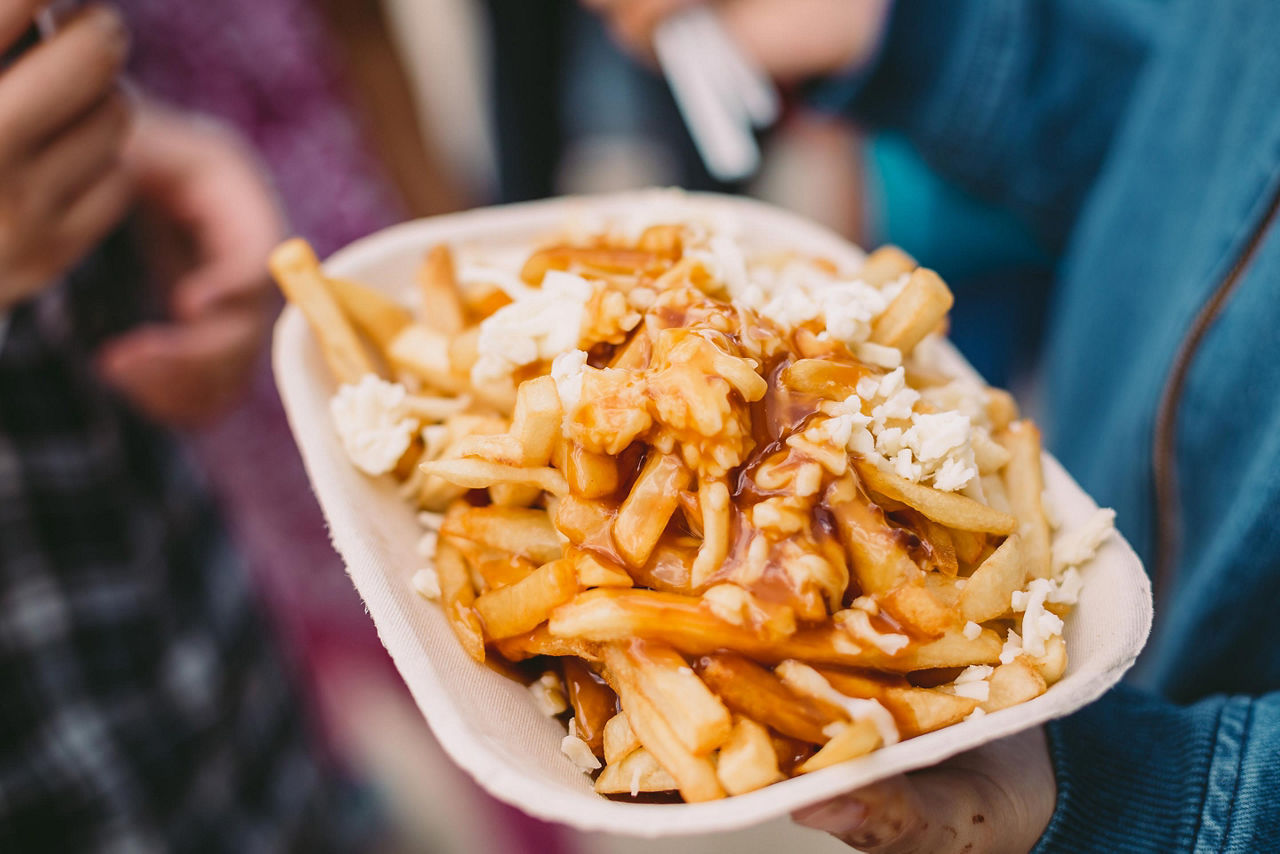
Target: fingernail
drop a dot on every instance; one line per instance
(839, 816)
(112, 25)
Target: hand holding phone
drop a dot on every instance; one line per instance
(63, 125)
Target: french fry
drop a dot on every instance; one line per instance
(746, 761)
(989, 593)
(482, 474)
(541, 642)
(593, 572)
(946, 508)
(696, 717)
(1024, 484)
(823, 378)
(915, 606)
(915, 710)
(695, 776)
(517, 609)
(653, 499)
(380, 318)
(941, 545)
(1053, 665)
(713, 504)
(483, 299)
(496, 567)
(590, 475)
(914, 313)
(664, 240)
(297, 271)
(619, 739)
(593, 703)
(1002, 409)
(612, 614)
(885, 265)
(877, 556)
(753, 691)
(514, 495)
(523, 531)
(598, 259)
(853, 740)
(424, 353)
(637, 772)
(534, 431)
(441, 296)
(464, 351)
(457, 596)
(1013, 683)
(586, 523)
(970, 545)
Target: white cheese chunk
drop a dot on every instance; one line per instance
(373, 424)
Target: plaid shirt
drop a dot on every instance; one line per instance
(142, 706)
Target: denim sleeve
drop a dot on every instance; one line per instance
(1016, 101)
(1136, 773)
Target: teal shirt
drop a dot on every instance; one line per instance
(1140, 141)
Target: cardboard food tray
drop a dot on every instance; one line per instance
(487, 723)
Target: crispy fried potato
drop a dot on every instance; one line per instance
(915, 710)
(519, 608)
(610, 614)
(593, 703)
(619, 739)
(1013, 683)
(695, 776)
(1024, 484)
(914, 313)
(590, 475)
(637, 772)
(698, 719)
(541, 642)
(441, 296)
(915, 606)
(482, 474)
(594, 572)
(885, 265)
(753, 691)
(297, 271)
(989, 593)
(946, 508)
(713, 506)
(378, 317)
(746, 761)
(424, 353)
(877, 556)
(457, 596)
(497, 568)
(644, 515)
(523, 531)
(823, 378)
(853, 740)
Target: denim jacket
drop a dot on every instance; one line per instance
(1141, 140)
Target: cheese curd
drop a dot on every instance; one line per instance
(373, 423)
(540, 324)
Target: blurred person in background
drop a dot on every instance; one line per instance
(1140, 143)
(146, 706)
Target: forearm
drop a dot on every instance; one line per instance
(1016, 102)
(1138, 773)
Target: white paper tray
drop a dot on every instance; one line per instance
(487, 723)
